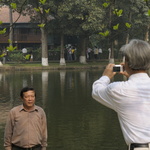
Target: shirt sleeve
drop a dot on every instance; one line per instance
(100, 92)
(8, 132)
(43, 148)
(8, 148)
(44, 138)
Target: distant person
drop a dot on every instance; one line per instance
(70, 53)
(100, 52)
(24, 51)
(26, 126)
(5, 56)
(109, 53)
(95, 52)
(31, 56)
(89, 50)
(73, 52)
(130, 99)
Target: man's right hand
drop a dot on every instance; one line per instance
(109, 71)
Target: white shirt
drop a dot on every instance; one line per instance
(100, 50)
(131, 100)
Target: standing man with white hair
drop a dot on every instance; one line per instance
(131, 98)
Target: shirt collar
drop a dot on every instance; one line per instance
(137, 75)
(22, 108)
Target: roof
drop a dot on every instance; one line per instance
(4, 16)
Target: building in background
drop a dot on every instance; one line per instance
(25, 33)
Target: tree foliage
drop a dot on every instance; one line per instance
(105, 21)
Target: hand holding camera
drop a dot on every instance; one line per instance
(109, 71)
(118, 68)
(112, 69)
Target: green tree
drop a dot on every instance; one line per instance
(122, 20)
(12, 4)
(39, 13)
(80, 18)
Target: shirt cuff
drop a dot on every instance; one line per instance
(43, 148)
(8, 148)
(105, 78)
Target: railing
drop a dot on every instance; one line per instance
(22, 38)
(27, 38)
(54, 55)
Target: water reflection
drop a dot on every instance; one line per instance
(62, 83)
(44, 87)
(75, 120)
(1, 75)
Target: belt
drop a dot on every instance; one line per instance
(138, 145)
(22, 148)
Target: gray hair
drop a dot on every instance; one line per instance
(137, 54)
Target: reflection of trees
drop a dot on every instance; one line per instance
(70, 81)
(24, 83)
(75, 120)
(83, 77)
(62, 83)
(1, 75)
(11, 95)
(4, 109)
(44, 87)
(4, 106)
(31, 79)
(6, 88)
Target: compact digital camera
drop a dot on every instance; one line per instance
(118, 68)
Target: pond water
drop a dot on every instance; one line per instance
(75, 120)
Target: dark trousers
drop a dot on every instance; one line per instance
(38, 147)
(139, 146)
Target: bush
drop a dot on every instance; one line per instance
(18, 57)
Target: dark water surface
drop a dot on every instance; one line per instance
(75, 120)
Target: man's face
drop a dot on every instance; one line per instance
(28, 99)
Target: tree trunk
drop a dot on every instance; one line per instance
(44, 47)
(112, 6)
(128, 36)
(1, 63)
(147, 34)
(111, 60)
(83, 51)
(11, 27)
(62, 59)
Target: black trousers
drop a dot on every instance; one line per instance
(37, 147)
(139, 146)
